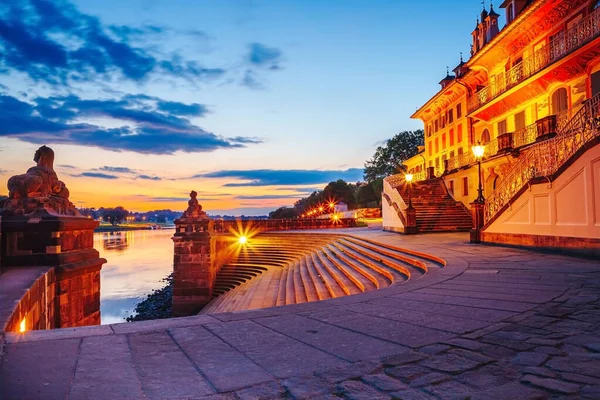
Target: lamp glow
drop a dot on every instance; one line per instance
(22, 327)
(478, 150)
(408, 177)
(242, 239)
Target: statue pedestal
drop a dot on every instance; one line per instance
(193, 273)
(65, 243)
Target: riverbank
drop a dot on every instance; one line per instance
(131, 227)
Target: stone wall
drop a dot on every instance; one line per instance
(58, 298)
(37, 308)
(65, 289)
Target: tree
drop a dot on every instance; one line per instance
(364, 194)
(338, 191)
(388, 158)
(114, 215)
(283, 212)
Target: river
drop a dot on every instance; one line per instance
(137, 261)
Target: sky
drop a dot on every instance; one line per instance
(253, 104)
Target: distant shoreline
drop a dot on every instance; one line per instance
(119, 228)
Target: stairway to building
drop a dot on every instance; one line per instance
(436, 210)
(278, 269)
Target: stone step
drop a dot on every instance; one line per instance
(310, 292)
(333, 287)
(400, 263)
(299, 290)
(271, 297)
(345, 284)
(380, 275)
(364, 283)
(318, 281)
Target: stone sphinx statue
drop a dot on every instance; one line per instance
(194, 209)
(38, 190)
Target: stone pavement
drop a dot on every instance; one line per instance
(495, 323)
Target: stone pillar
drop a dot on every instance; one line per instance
(477, 217)
(411, 221)
(65, 243)
(42, 228)
(193, 273)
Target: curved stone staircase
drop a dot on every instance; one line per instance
(436, 210)
(287, 268)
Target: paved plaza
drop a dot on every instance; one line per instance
(495, 323)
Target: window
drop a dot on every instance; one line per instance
(451, 134)
(595, 78)
(443, 119)
(450, 116)
(444, 157)
(459, 133)
(501, 128)
(429, 148)
(444, 141)
(519, 121)
(459, 108)
(452, 154)
(460, 151)
(437, 162)
(559, 101)
(485, 136)
(429, 130)
(465, 186)
(451, 187)
(437, 145)
(435, 124)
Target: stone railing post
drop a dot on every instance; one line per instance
(477, 217)
(430, 172)
(411, 221)
(193, 273)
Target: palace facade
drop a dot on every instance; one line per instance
(529, 93)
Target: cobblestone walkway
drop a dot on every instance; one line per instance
(496, 323)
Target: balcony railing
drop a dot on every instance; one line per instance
(545, 158)
(561, 44)
(514, 140)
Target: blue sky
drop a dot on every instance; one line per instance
(253, 103)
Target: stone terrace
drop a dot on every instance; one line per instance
(495, 323)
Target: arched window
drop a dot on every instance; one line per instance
(560, 101)
(485, 136)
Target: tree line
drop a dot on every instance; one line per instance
(386, 161)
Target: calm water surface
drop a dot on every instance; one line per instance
(136, 263)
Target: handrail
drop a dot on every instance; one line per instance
(391, 183)
(519, 138)
(545, 158)
(563, 43)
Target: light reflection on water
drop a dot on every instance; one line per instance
(137, 261)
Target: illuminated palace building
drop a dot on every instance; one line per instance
(529, 94)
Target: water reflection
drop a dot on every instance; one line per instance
(136, 263)
(117, 241)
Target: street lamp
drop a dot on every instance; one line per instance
(478, 151)
(409, 178)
